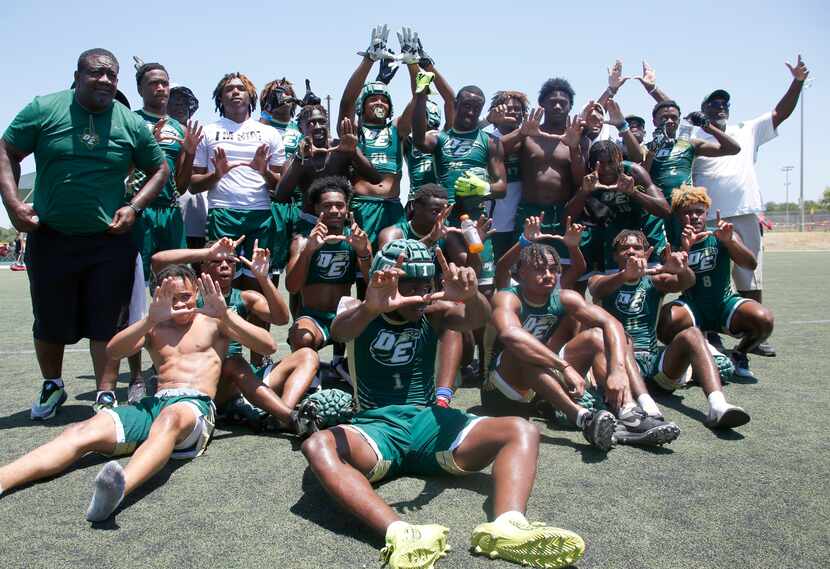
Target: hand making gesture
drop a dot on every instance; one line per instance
(348, 138)
(213, 301)
(615, 77)
(221, 165)
(725, 231)
(320, 234)
(689, 236)
(800, 71)
(649, 77)
(224, 248)
(260, 263)
(261, 158)
(460, 283)
(673, 263)
(377, 44)
(161, 307)
(382, 294)
(358, 239)
(533, 229)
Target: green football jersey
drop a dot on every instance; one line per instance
(82, 159)
(393, 363)
(710, 261)
(420, 167)
(172, 148)
(540, 321)
(382, 147)
(637, 307)
(672, 165)
(458, 152)
(512, 167)
(291, 139)
(235, 303)
(333, 263)
(625, 213)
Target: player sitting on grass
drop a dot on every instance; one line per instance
(634, 298)
(527, 315)
(274, 387)
(393, 336)
(187, 346)
(712, 303)
(326, 253)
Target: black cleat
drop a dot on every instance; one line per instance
(638, 428)
(599, 429)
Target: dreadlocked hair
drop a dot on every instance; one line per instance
(144, 68)
(538, 255)
(329, 184)
(428, 191)
(605, 151)
(623, 235)
(501, 98)
(283, 84)
(686, 196)
(306, 111)
(249, 88)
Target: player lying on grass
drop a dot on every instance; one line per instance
(634, 298)
(187, 345)
(712, 303)
(526, 317)
(274, 388)
(393, 336)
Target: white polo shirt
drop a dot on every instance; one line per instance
(731, 180)
(242, 187)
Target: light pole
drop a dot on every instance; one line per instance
(807, 83)
(787, 170)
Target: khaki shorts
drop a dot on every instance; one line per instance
(749, 228)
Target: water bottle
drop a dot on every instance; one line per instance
(684, 130)
(468, 229)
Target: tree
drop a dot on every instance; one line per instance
(825, 198)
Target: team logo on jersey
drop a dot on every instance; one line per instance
(461, 147)
(395, 348)
(333, 264)
(540, 325)
(630, 302)
(704, 259)
(377, 137)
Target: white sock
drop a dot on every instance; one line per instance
(511, 516)
(1, 490)
(717, 402)
(581, 415)
(109, 491)
(648, 405)
(394, 527)
(57, 381)
(627, 408)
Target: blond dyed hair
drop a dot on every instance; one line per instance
(686, 196)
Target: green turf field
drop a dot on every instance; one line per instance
(757, 498)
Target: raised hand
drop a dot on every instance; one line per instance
(673, 263)
(388, 69)
(615, 77)
(799, 71)
(460, 283)
(192, 137)
(382, 294)
(498, 115)
(158, 131)
(221, 165)
(589, 182)
(213, 302)
(573, 131)
(224, 248)
(377, 44)
(319, 235)
(725, 231)
(408, 40)
(424, 59)
(697, 118)
(440, 228)
(358, 239)
(625, 184)
(615, 115)
(635, 268)
(648, 78)
(161, 307)
(573, 233)
(348, 138)
(689, 236)
(261, 158)
(533, 229)
(531, 126)
(308, 150)
(423, 80)
(260, 263)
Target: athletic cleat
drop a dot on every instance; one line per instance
(741, 362)
(109, 491)
(136, 391)
(530, 545)
(415, 547)
(51, 398)
(764, 349)
(599, 429)
(733, 416)
(105, 400)
(240, 411)
(638, 428)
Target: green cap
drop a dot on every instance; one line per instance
(417, 260)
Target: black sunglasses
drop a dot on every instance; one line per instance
(716, 104)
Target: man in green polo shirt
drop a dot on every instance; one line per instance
(81, 256)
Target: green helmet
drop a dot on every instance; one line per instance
(373, 88)
(417, 260)
(433, 115)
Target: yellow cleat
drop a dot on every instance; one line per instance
(530, 545)
(415, 547)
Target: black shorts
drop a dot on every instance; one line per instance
(80, 284)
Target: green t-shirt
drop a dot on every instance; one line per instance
(712, 265)
(672, 165)
(419, 165)
(333, 263)
(382, 147)
(458, 152)
(393, 363)
(169, 192)
(82, 159)
(637, 307)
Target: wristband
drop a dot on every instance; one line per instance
(623, 127)
(135, 208)
(443, 396)
(524, 241)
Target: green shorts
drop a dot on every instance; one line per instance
(553, 223)
(285, 217)
(373, 215)
(255, 225)
(158, 229)
(133, 422)
(410, 439)
(320, 318)
(651, 368)
(714, 317)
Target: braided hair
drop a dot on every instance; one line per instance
(220, 87)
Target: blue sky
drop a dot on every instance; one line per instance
(695, 47)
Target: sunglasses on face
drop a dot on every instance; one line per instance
(719, 105)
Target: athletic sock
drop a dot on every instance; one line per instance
(511, 516)
(581, 416)
(648, 405)
(109, 491)
(717, 402)
(627, 408)
(1, 490)
(57, 381)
